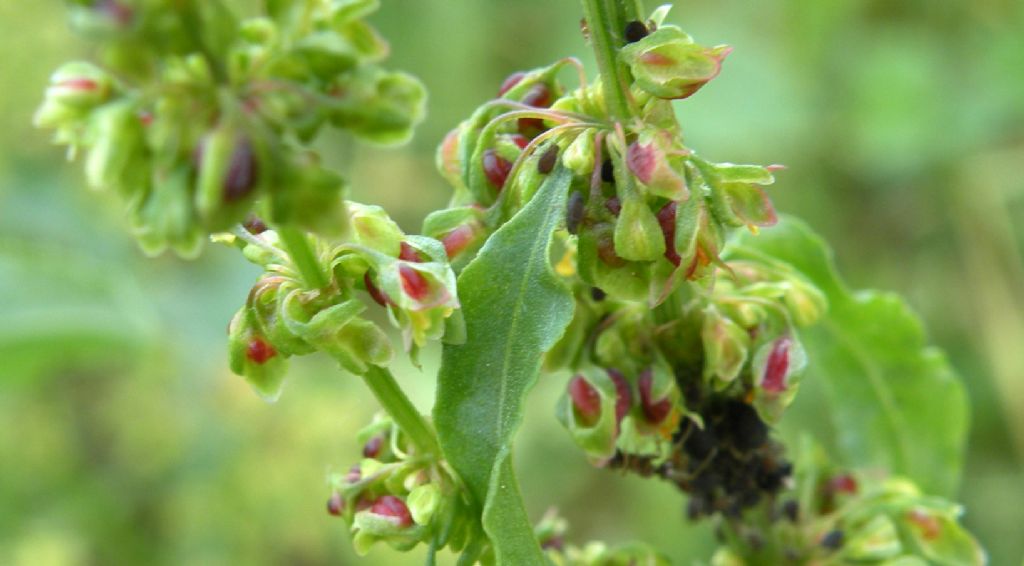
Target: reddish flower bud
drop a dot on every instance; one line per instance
(928, 525)
(393, 508)
(372, 447)
(520, 140)
(586, 401)
(539, 96)
(409, 253)
(667, 220)
(614, 205)
(655, 411)
(777, 367)
(496, 168)
(335, 505)
(259, 351)
(375, 293)
(354, 474)
(457, 240)
(623, 395)
(254, 225)
(844, 483)
(510, 82)
(413, 283)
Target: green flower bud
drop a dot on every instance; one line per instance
(166, 218)
(726, 345)
(252, 356)
(76, 86)
(379, 106)
(638, 235)
(375, 229)
(312, 200)
(875, 541)
(423, 502)
(353, 342)
(579, 155)
(116, 141)
(669, 65)
(651, 161)
(229, 175)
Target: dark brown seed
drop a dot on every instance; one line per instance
(833, 540)
(243, 172)
(546, 163)
(574, 212)
(635, 31)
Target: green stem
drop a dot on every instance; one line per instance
(301, 252)
(400, 408)
(606, 20)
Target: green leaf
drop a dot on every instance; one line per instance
(515, 310)
(897, 403)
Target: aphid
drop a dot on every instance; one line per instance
(597, 294)
(574, 212)
(547, 161)
(745, 427)
(791, 511)
(635, 31)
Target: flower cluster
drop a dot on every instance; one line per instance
(398, 496)
(283, 316)
(197, 117)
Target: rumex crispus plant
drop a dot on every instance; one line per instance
(583, 238)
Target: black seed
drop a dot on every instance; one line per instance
(574, 212)
(833, 540)
(597, 294)
(607, 171)
(791, 511)
(700, 443)
(635, 31)
(546, 163)
(744, 425)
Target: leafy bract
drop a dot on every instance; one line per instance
(896, 402)
(515, 310)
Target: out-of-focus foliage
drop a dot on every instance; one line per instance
(125, 439)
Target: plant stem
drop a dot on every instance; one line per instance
(303, 257)
(606, 20)
(400, 408)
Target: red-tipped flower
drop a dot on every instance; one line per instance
(586, 401)
(394, 509)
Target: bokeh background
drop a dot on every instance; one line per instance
(125, 440)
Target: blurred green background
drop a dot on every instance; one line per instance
(124, 439)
